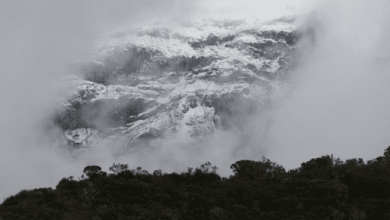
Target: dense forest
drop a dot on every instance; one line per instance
(322, 188)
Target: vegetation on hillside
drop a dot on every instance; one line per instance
(322, 188)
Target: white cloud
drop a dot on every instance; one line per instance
(340, 102)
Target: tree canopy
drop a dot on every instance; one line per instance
(321, 188)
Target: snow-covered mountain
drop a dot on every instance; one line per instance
(185, 81)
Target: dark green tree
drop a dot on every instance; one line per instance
(118, 167)
(93, 169)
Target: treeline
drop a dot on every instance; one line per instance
(324, 188)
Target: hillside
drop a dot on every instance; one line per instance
(322, 188)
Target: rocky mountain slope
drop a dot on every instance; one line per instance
(184, 81)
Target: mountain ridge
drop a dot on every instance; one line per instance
(157, 81)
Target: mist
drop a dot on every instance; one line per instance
(338, 102)
(37, 40)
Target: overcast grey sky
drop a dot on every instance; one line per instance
(340, 103)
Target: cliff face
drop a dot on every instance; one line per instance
(186, 80)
